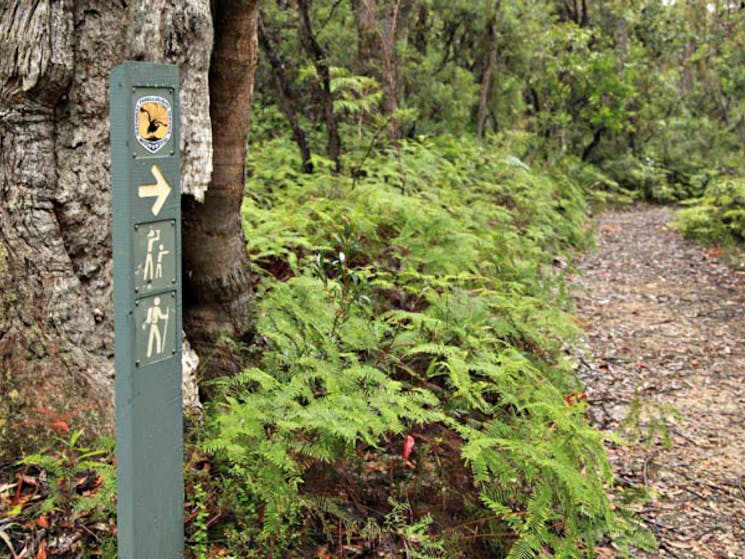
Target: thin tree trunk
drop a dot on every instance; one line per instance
(686, 82)
(491, 63)
(368, 41)
(421, 38)
(287, 97)
(389, 39)
(217, 298)
(585, 18)
(622, 45)
(321, 63)
(596, 137)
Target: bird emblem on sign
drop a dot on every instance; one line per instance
(153, 122)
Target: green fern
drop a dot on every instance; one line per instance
(421, 295)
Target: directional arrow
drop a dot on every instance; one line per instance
(161, 189)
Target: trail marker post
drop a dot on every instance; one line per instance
(145, 180)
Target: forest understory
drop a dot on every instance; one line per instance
(399, 356)
(662, 365)
(664, 320)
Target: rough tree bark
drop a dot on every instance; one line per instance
(56, 333)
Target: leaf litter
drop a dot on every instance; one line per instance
(664, 366)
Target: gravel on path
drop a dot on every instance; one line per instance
(665, 367)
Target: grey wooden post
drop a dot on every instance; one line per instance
(145, 179)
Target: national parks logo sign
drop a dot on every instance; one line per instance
(153, 122)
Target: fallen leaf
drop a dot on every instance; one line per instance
(6, 539)
(408, 447)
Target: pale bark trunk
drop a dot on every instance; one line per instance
(56, 333)
(380, 26)
(389, 38)
(622, 38)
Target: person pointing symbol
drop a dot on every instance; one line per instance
(159, 265)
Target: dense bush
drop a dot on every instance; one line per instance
(719, 215)
(423, 300)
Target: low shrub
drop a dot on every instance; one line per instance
(418, 300)
(719, 215)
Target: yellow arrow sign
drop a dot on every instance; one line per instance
(161, 189)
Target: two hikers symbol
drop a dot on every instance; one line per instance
(153, 267)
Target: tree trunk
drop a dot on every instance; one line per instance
(622, 42)
(686, 81)
(368, 40)
(217, 287)
(597, 135)
(321, 63)
(584, 20)
(389, 39)
(56, 313)
(421, 36)
(491, 63)
(287, 98)
(381, 24)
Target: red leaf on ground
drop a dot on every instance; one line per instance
(408, 447)
(42, 553)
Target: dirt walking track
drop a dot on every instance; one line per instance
(665, 322)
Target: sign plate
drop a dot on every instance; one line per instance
(155, 256)
(154, 340)
(153, 118)
(146, 233)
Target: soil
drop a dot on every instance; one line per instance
(665, 368)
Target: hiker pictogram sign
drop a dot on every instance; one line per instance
(146, 231)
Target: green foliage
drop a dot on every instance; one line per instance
(71, 463)
(74, 489)
(200, 536)
(422, 294)
(718, 216)
(415, 540)
(601, 189)
(650, 424)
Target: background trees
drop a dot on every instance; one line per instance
(619, 83)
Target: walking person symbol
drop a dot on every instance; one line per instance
(156, 338)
